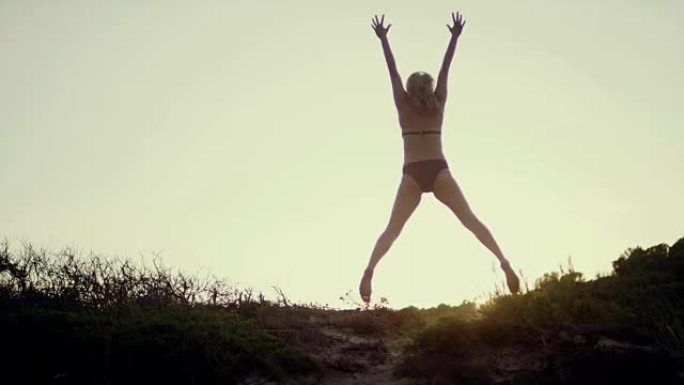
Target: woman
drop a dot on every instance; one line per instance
(425, 168)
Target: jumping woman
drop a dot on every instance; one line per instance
(425, 169)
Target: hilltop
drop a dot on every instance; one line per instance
(72, 320)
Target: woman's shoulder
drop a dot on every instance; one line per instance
(401, 101)
(415, 108)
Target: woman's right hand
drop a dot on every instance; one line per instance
(457, 28)
(380, 31)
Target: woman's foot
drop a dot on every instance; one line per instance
(511, 278)
(365, 285)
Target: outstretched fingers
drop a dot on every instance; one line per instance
(378, 25)
(458, 18)
(458, 21)
(378, 21)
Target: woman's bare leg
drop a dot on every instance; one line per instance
(447, 191)
(405, 203)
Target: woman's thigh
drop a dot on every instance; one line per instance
(405, 203)
(447, 191)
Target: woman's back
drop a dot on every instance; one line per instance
(421, 131)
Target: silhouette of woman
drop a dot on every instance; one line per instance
(425, 168)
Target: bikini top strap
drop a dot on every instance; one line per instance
(420, 133)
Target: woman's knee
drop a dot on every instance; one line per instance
(392, 232)
(470, 221)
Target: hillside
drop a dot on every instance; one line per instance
(71, 320)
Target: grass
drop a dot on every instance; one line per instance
(621, 328)
(85, 321)
(71, 320)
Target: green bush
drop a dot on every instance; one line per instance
(554, 332)
(97, 321)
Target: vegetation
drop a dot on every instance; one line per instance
(71, 320)
(97, 321)
(622, 328)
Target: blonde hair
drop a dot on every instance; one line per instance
(419, 87)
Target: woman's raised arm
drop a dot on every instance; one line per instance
(397, 86)
(441, 88)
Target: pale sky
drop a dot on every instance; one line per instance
(258, 140)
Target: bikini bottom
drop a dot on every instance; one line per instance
(424, 172)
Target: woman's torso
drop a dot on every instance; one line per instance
(413, 120)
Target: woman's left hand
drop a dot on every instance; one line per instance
(379, 29)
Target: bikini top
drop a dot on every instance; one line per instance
(419, 132)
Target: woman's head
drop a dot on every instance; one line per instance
(419, 87)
